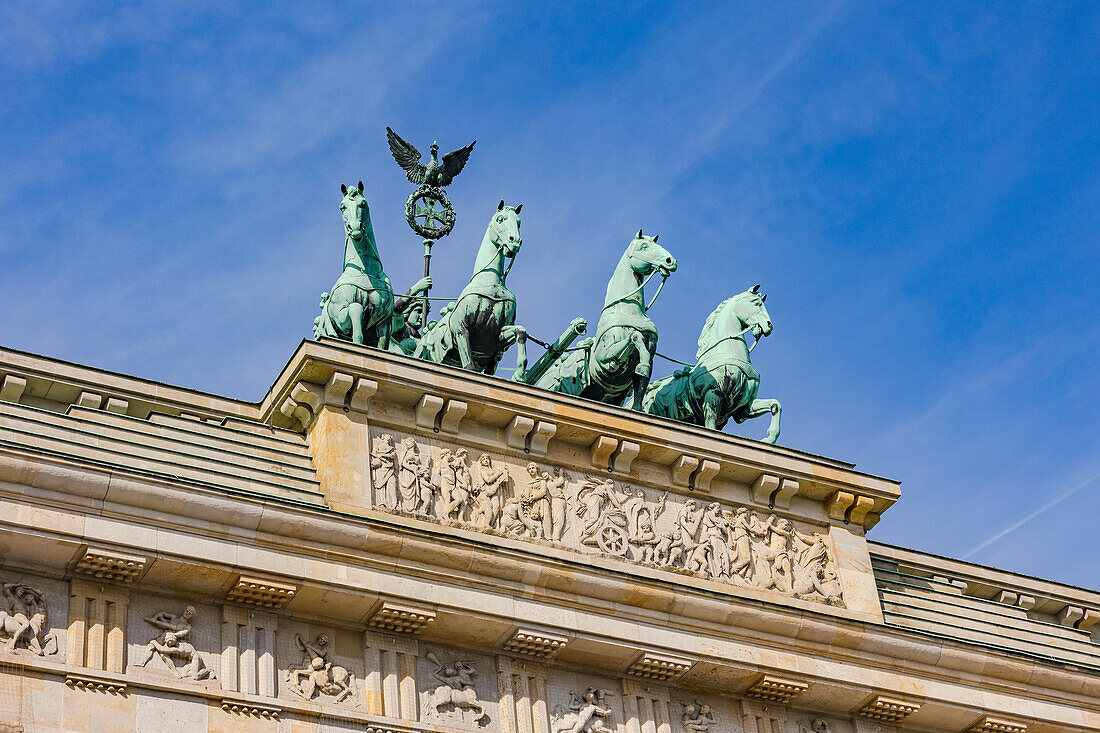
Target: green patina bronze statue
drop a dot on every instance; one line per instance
(723, 382)
(476, 330)
(618, 359)
(359, 307)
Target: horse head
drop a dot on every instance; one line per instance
(353, 208)
(504, 229)
(645, 256)
(748, 308)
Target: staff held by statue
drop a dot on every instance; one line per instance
(420, 208)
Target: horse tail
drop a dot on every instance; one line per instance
(706, 335)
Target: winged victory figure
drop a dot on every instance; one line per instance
(434, 173)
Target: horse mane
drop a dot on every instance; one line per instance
(706, 334)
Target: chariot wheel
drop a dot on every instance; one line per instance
(612, 540)
(429, 212)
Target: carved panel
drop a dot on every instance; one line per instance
(458, 689)
(25, 608)
(320, 664)
(172, 638)
(595, 514)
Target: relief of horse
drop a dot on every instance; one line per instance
(359, 307)
(618, 359)
(476, 330)
(723, 383)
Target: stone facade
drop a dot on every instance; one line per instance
(387, 545)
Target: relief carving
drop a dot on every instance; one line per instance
(318, 675)
(817, 725)
(23, 624)
(454, 700)
(587, 713)
(729, 544)
(697, 717)
(172, 645)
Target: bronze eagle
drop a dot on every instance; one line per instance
(434, 173)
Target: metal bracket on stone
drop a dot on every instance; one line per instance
(681, 470)
(700, 480)
(451, 416)
(120, 567)
(612, 454)
(362, 393)
(886, 709)
(540, 437)
(601, 451)
(261, 593)
(659, 667)
(337, 388)
(773, 688)
(624, 457)
(12, 388)
(515, 435)
(851, 508)
(991, 724)
(535, 644)
(400, 618)
(427, 410)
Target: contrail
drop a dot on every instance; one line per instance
(1021, 522)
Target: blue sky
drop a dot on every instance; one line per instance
(916, 186)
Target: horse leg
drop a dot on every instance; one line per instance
(762, 407)
(355, 315)
(712, 405)
(519, 335)
(643, 370)
(462, 345)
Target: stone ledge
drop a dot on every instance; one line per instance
(96, 683)
(250, 709)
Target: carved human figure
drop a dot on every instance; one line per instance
(740, 546)
(528, 513)
(643, 538)
(456, 692)
(711, 555)
(414, 479)
(169, 623)
(559, 503)
(408, 317)
(817, 725)
(318, 675)
(454, 483)
(24, 621)
(811, 575)
(487, 482)
(697, 717)
(682, 541)
(587, 713)
(171, 648)
(598, 505)
(383, 463)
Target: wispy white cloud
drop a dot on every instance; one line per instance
(998, 536)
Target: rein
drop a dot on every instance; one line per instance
(635, 291)
(707, 350)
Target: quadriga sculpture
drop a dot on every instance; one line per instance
(359, 308)
(476, 330)
(619, 358)
(723, 382)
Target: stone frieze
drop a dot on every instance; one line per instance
(594, 514)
